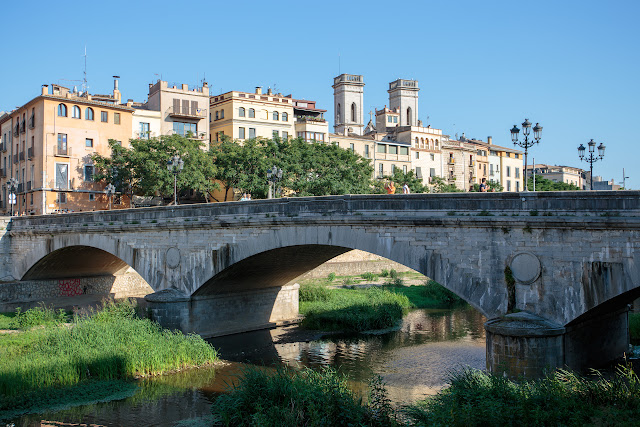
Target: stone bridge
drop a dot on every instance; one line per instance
(574, 260)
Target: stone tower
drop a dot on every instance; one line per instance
(403, 95)
(348, 92)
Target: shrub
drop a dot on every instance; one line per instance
(289, 398)
(384, 273)
(397, 281)
(369, 276)
(393, 274)
(309, 293)
(331, 277)
(37, 316)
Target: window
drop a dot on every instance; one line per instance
(338, 113)
(116, 118)
(252, 131)
(409, 117)
(88, 173)
(389, 119)
(217, 115)
(366, 151)
(285, 134)
(353, 113)
(491, 169)
(252, 114)
(417, 154)
(62, 144)
(382, 148)
(182, 128)
(222, 114)
(417, 142)
(404, 169)
(418, 172)
(92, 197)
(275, 134)
(276, 116)
(62, 110)
(395, 119)
(508, 185)
(241, 133)
(285, 117)
(352, 147)
(88, 113)
(241, 112)
(433, 156)
(144, 130)
(393, 169)
(62, 176)
(393, 149)
(62, 198)
(508, 170)
(404, 151)
(517, 185)
(76, 112)
(381, 170)
(104, 116)
(517, 172)
(88, 142)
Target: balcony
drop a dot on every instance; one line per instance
(30, 153)
(32, 122)
(21, 188)
(15, 158)
(62, 152)
(28, 185)
(23, 128)
(21, 156)
(187, 113)
(3, 173)
(309, 119)
(16, 131)
(348, 78)
(3, 146)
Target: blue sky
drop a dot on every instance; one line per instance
(572, 66)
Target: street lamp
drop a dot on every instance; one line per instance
(526, 144)
(13, 184)
(110, 190)
(273, 176)
(175, 165)
(592, 157)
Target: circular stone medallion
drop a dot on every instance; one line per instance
(526, 267)
(173, 257)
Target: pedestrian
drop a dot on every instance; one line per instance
(405, 189)
(390, 187)
(483, 185)
(244, 197)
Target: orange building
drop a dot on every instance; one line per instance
(46, 147)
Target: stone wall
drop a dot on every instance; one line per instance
(353, 263)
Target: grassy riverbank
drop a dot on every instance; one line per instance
(474, 398)
(110, 345)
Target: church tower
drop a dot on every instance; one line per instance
(348, 93)
(403, 95)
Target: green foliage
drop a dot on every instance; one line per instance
(491, 186)
(397, 281)
(440, 186)
(476, 398)
(393, 274)
(313, 292)
(6, 320)
(369, 276)
(37, 316)
(305, 398)
(533, 212)
(435, 291)
(485, 213)
(384, 273)
(331, 277)
(543, 184)
(400, 178)
(355, 310)
(634, 327)
(142, 168)
(112, 344)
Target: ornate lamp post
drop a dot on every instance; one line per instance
(273, 176)
(13, 184)
(526, 144)
(110, 190)
(591, 158)
(175, 165)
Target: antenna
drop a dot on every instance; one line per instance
(339, 64)
(624, 179)
(84, 80)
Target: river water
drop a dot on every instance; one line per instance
(413, 361)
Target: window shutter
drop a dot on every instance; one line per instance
(194, 108)
(185, 106)
(176, 106)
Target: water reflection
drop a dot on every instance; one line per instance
(412, 360)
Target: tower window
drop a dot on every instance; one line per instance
(338, 113)
(252, 113)
(409, 116)
(353, 113)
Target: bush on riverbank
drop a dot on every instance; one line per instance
(634, 327)
(429, 295)
(351, 309)
(306, 398)
(476, 398)
(112, 344)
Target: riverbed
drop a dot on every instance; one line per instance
(413, 360)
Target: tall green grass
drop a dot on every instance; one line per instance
(476, 398)
(429, 295)
(350, 309)
(111, 344)
(306, 398)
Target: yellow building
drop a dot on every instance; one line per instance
(47, 146)
(243, 115)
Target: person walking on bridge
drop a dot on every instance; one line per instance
(390, 187)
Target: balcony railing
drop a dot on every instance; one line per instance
(23, 128)
(30, 153)
(21, 188)
(311, 119)
(16, 131)
(28, 185)
(3, 173)
(348, 78)
(32, 122)
(15, 158)
(193, 113)
(62, 152)
(3, 146)
(21, 157)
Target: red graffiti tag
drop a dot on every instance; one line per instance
(70, 287)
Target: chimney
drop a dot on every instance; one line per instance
(117, 97)
(489, 140)
(45, 89)
(269, 91)
(258, 90)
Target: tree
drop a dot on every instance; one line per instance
(543, 184)
(142, 169)
(439, 186)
